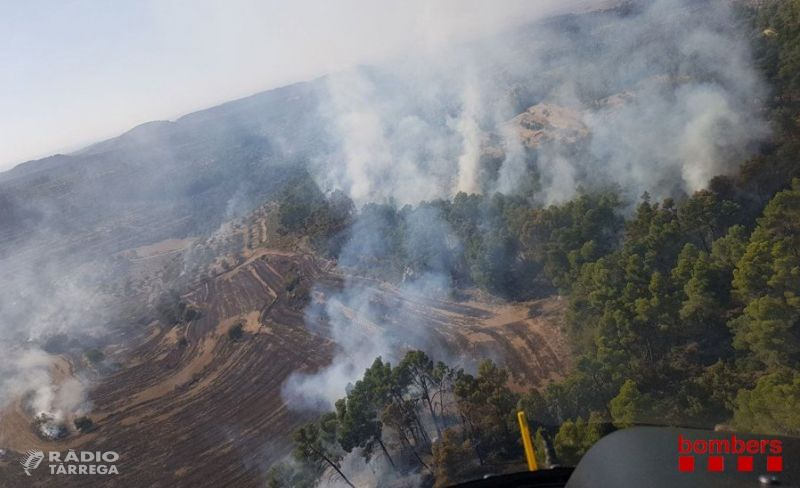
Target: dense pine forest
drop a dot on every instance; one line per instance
(684, 311)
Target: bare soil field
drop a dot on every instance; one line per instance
(194, 405)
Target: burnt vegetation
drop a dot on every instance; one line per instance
(682, 310)
(686, 311)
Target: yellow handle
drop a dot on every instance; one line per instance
(530, 455)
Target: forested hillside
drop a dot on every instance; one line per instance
(360, 279)
(682, 311)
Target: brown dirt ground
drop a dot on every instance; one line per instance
(210, 414)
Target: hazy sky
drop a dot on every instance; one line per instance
(77, 71)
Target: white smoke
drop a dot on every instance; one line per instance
(665, 95)
(54, 404)
(469, 130)
(512, 172)
(372, 473)
(49, 305)
(363, 328)
(359, 340)
(52, 400)
(386, 152)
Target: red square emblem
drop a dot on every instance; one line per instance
(685, 464)
(774, 463)
(744, 463)
(716, 463)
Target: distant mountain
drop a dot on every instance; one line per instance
(420, 117)
(165, 178)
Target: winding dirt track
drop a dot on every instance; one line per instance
(207, 411)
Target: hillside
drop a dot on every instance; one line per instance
(591, 219)
(218, 399)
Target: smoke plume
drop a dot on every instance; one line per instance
(655, 97)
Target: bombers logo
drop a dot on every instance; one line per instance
(745, 451)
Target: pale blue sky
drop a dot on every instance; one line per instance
(77, 71)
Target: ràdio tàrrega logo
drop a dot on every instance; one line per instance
(32, 460)
(83, 462)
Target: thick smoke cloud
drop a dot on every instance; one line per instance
(48, 307)
(656, 97)
(665, 92)
(362, 323)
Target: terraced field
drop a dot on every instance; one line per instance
(194, 405)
